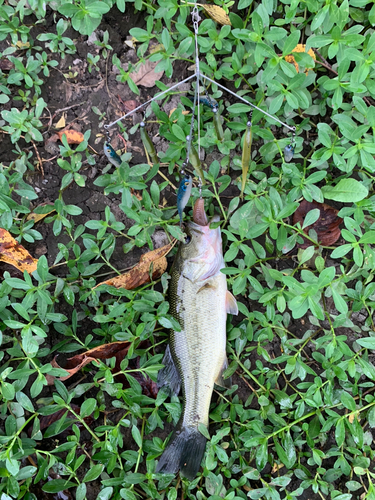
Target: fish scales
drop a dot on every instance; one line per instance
(195, 358)
(200, 346)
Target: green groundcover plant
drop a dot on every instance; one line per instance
(299, 418)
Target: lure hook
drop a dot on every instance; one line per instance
(289, 149)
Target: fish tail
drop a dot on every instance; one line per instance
(184, 452)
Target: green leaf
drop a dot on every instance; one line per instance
(311, 217)
(368, 237)
(238, 108)
(346, 191)
(340, 432)
(57, 485)
(348, 401)
(88, 407)
(367, 342)
(291, 42)
(137, 436)
(93, 473)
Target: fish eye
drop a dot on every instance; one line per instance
(187, 239)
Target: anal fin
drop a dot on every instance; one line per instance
(169, 375)
(231, 304)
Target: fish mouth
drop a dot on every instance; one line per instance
(198, 228)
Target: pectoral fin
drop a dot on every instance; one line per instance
(231, 304)
(169, 375)
(227, 383)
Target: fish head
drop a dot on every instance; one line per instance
(201, 253)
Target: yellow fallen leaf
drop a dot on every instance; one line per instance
(61, 122)
(156, 48)
(22, 45)
(154, 261)
(36, 217)
(15, 254)
(217, 13)
(299, 48)
(276, 467)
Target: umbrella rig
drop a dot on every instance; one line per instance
(192, 160)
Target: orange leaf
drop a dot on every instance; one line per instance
(153, 261)
(299, 48)
(15, 254)
(72, 136)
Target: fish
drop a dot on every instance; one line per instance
(147, 144)
(288, 153)
(111, 154)
(246, 155)
(195, 358)
(207, 101)
(218, 125)
(183, 195)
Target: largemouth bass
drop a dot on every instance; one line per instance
(195, 358)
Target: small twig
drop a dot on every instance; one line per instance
(58, 111)
(39, 158)
(326, 64)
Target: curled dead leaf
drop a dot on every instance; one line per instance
(119, 350)
(154, 262)
(15, 254)
(326, 227)
(74, 364)
(217, 13)
(299, 48)
(128, 106)
(146, 75)
(72, 136)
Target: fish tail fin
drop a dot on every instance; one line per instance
(184, 452)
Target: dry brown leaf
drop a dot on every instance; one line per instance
(154, 261)
(15, 254)
(217, 13)
(72, 136)
(300, 48)
(146, 75)
(37, 217)
(326, 227)
(6, 65)
(61, 122)
(128, 105)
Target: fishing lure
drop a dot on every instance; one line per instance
(183, 195)
(111, 154)
(217, 123)
(288, 152)
(246, 154)
(195, 161)
(147, 143)
(207, 101)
